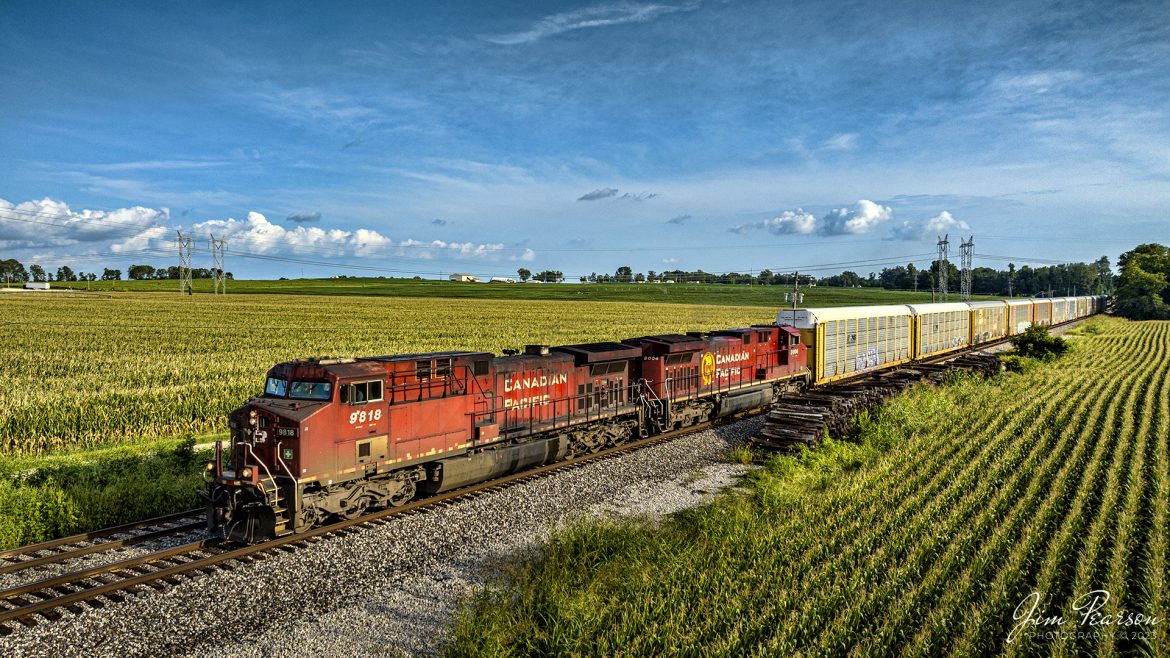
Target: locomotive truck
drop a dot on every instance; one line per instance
(334, 438)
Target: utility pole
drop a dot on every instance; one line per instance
(965, 263)
(218, 247)
(795, 287)
(184, 242)
(943, 265)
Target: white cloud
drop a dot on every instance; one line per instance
(926, 229)
(842, 142)
(786, 223)
(860, 219)
(842, 221)
(527, 256)
(52, 223)
(596, 16)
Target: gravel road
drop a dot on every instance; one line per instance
(390, 590)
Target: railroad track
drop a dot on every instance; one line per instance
(65, 549)
(95, 586)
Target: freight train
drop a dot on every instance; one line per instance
(333, 438)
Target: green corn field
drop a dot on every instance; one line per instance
(79, 371)
(931, 532)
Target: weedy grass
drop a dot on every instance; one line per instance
(48, 497)
(919, 534)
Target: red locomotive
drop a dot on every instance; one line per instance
(335, 437)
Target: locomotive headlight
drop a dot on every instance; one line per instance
(246, 473)
(210, 467)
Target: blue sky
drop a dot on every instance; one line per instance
(482, 137)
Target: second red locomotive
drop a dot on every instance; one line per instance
(335, 437)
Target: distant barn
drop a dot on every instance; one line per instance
(466, 278)
(36, 285)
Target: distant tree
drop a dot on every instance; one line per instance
(624, 274)
(1143, 288)
(111, 275)
(12, 270)
(639, 278)
(140, 272)
(65, 273)
(36, 272)
(523, 273)
(1104, 275)
(584, 279)
(550, 276)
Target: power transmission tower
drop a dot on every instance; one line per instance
(185, 242)
(965, 263)
(943, 265)
(218, 247)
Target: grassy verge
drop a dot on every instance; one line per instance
(917, 536)
(49, 497)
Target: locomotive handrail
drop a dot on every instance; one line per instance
(282, 464)
(261, 462)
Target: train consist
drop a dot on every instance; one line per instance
(335, 437)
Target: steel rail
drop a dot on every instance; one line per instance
(96, 534)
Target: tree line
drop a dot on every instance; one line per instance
(12, 270)
(1055, 280)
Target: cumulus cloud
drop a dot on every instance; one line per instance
(527, 256)
(595, 16)
(304, 217)
(52, 223)
(860, 219)
(941, 223)
(680, 220)
(788, 222)
(259, 236)
(595, 195)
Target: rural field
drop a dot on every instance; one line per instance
(103, 396)
(84, 371)
(677, 293)
(949, 520)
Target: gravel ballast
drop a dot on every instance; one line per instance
(389, 590)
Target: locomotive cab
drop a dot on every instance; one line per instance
(251, 489)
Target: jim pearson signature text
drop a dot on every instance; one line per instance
(1031, 620)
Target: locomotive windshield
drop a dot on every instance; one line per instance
(276, 387)
(310, 391)
(279, 388)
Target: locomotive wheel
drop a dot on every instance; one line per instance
(404, 495)
(357, 507)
